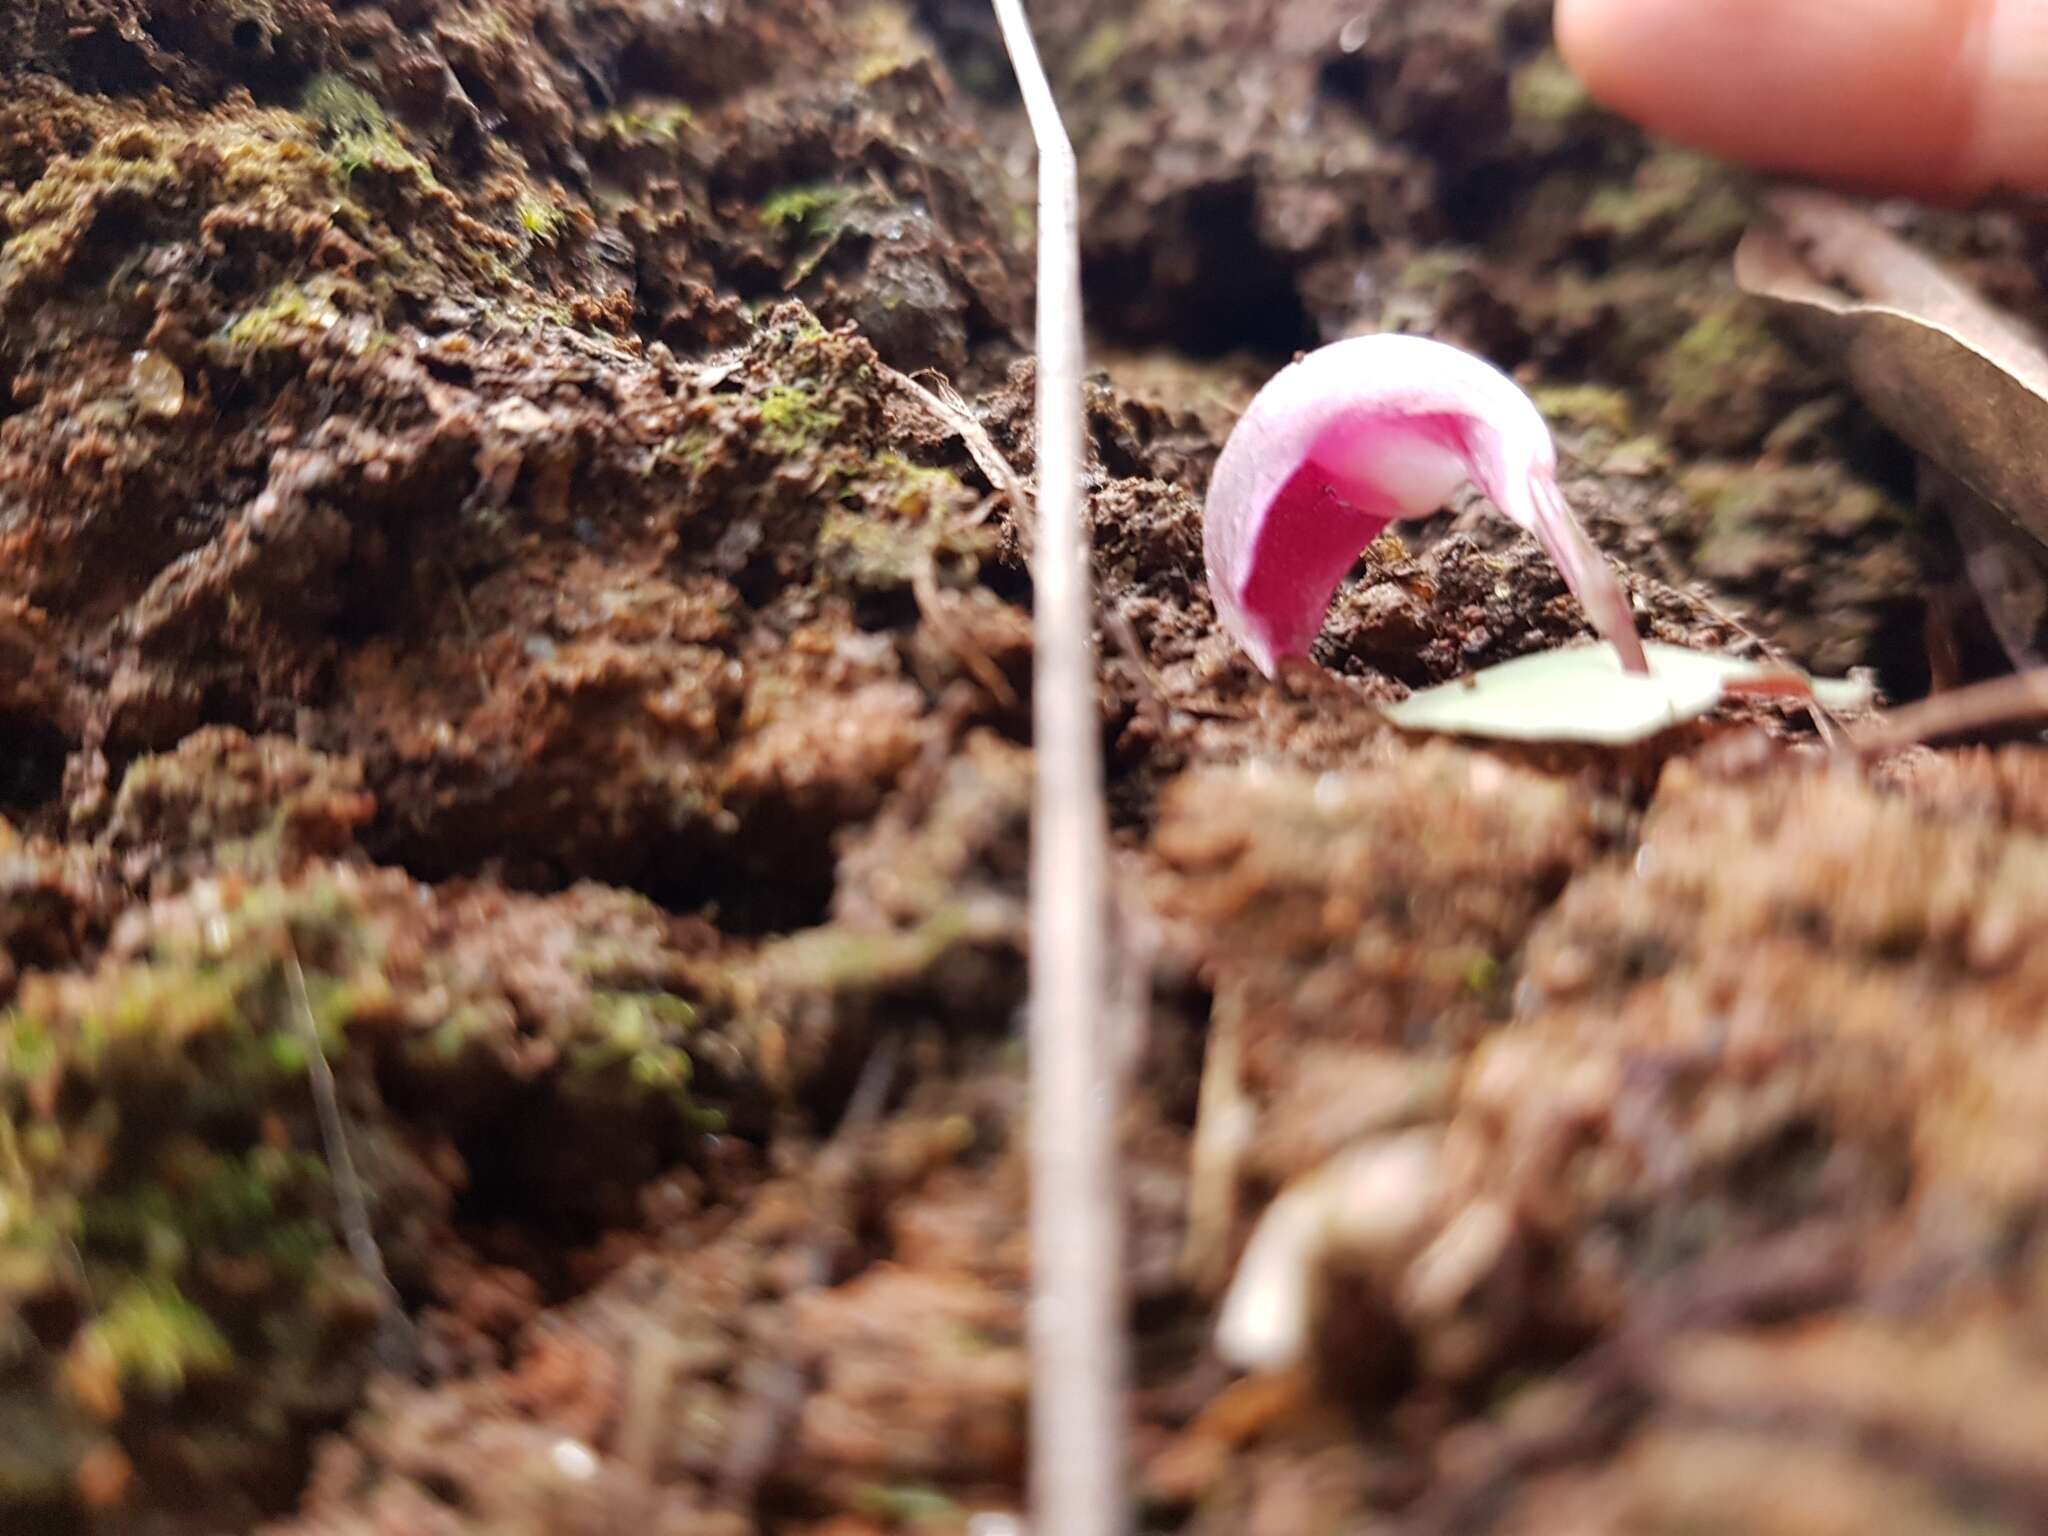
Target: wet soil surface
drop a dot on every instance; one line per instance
(498, 652)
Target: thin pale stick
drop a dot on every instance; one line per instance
(395, 1344)
(946, 407)
(2002, 701)
(774, 1387)
(1078, 1351)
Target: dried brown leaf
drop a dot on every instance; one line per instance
(1960, 380)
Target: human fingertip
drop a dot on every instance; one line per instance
(1944, 98)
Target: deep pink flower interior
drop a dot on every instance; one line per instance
(1311, 538)
(1323, 518)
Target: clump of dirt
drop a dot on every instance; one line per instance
(56, 903)
(805, 1372)
(187, 1311)
(1864, 1379)
(225, 797)
(1336, 908)
(1718, 1103)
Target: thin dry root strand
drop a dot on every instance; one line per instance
(933, 606)
(395, 1342)
(774, 1387)
(946, 406)
(1980, 707)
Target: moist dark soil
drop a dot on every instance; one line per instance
(494, 643)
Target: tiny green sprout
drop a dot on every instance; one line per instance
(542, 220)
(808, 209)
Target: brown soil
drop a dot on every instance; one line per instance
(480, 606)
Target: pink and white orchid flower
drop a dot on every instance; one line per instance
(1363, 433)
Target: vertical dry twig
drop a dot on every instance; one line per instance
(1077, 1342)
(774, 1385)
(395, 1343)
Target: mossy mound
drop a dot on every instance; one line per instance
(182, 1310)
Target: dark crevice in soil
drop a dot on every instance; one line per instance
(103, 61)
(32, 756)
(779, 881)
(527, 1204)
(970, 43)
(1230, 293)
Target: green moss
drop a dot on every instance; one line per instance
(341, 106)
(1481, 975)
(1686, 202)
(792, 418)
(208, 1203)
(162, 1177)
(167, 176)
(1586, 406)
(1624, 209)
(640, 1031)
(1724, 337)
(876, 67)
(638, 1039)
(648, 123)
(812, 209)
(161, 1007)
(893, 519)
(1431, 269)
(917, 490)
(692, 449)
(358, 133)
(908, 1505)
(155, 1338)
(1745, 505)
(32, 247)
(886, 43)
(1099, 50)
(1724, 361)
(282, 318)
(26, 1050)
(543, 221)
(838, 959)
(48, 222)
(868, 554)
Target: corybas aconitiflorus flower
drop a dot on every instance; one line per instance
(1363, 433)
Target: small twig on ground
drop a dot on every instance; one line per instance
(1223, 1124)
(1078, 1349)
(1153, 698)
(1981, 706)
(352, 1206)
(932, 605)
(1832, 733)
(943, 401)
(775, 1388)
(476, 644)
